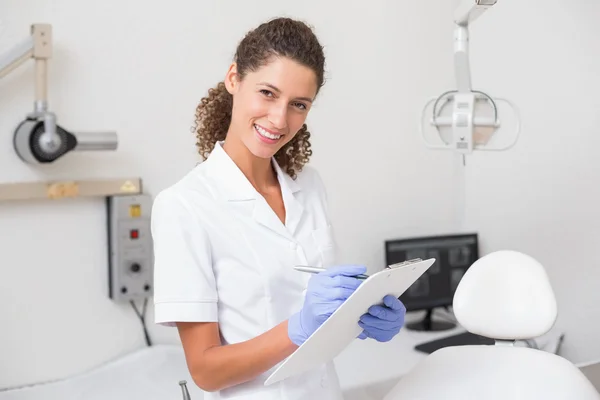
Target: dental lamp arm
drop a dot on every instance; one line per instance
(466, 131)
(466, 13)
(469, 10)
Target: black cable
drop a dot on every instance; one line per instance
(142, 317)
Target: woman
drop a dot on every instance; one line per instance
(227, 235)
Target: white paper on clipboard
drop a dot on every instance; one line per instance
(342, 327)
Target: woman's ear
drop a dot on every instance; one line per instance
(231, 79)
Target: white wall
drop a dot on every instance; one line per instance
(542, 197)
(140, 68)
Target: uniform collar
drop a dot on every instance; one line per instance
(233, 184)
(235, 187)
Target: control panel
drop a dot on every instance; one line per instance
(129, 247)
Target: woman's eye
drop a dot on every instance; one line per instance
(301, 106)
(266, 92)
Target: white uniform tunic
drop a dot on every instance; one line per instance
(222, 255)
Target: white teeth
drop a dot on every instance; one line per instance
(265, 133)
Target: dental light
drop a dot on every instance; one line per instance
(38, 139)
(466, 119)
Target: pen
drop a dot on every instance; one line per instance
(316, 270)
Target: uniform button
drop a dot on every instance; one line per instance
(293, 246)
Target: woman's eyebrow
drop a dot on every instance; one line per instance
(276, 89)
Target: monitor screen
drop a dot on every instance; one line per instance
(454, 254)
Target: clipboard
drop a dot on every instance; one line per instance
(341, 328)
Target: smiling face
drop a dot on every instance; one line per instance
(270, 105)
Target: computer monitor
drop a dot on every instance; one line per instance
(454, 254)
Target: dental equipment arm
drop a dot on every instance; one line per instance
(468, 131)
(469, 10)
(16, 56)
(466, 13)
(38, 139)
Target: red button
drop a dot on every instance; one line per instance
(133, 234)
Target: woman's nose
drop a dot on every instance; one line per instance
(278, 117)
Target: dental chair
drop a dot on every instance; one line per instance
(506, 296)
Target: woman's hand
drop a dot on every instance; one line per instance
(325, 293)
(383, 322)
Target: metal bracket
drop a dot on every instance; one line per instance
(39, 139)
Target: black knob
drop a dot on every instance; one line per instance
(135, 267)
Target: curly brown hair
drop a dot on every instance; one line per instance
(283, 37)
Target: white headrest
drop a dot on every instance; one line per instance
(506, 295)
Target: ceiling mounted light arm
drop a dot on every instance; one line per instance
(464, 102)
(466, 13)
(469, 10)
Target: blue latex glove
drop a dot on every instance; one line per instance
(383, 322)
(326, 291)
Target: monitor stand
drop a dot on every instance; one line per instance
(427, 324)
